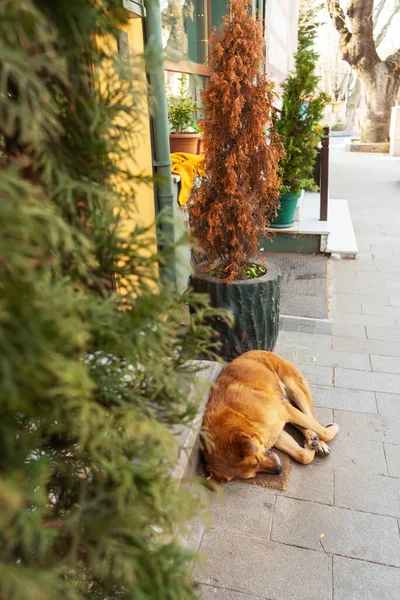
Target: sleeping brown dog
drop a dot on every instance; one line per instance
(248, 408)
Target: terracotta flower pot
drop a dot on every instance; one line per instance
(184, 142)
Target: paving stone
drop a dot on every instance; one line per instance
(209, 592)
(323, 415)
(348, 453)
(367, 492)
(251, 565)
(346, 532)
(389, 268)
(347, 303)
(360, 580)
(385, 364)
(332, 358)
(388, 404)
(363, 320)
(317, 374)
(242, 508)
(375, 382)
(383, 348)
(392, 453)
(381, 252)
(375, 428)
(344, 399)
(354, 331)
(191, 538)
(392, 284)
(305, 339)
(389, 334)
(311, 481)
(394, 300)
(364, 277)
(286, 352)
(389, 311)
(323, 328)
(358, 265)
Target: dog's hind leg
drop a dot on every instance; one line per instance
(298, 392)
(299, 419)
(288, 444)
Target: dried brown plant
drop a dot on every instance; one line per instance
(237, 197)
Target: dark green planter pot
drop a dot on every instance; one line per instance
(255, 306)
(287, 210)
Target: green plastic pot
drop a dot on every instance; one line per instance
(287, 210)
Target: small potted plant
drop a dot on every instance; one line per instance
(185, 131)
(231, 207)
(302, 109)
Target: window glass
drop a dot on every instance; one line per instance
(219, 8)
(185, 29)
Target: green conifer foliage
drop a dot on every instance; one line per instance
(90, 378)
(302, 109)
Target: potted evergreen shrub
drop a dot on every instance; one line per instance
(185, 132)
(232, 205)
(302, 109)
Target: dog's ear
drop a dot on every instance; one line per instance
(244, 445)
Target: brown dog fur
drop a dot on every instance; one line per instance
(247, 411)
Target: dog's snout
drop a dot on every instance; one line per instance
(277, 461)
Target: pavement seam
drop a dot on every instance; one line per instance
(353, 510)
(233, 590)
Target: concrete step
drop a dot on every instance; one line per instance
(309, 235)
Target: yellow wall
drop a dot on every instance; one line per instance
(142, 158)
(136, 157)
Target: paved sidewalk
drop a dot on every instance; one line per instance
(335, 534)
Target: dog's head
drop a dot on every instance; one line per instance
(240, 456)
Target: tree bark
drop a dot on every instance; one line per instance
(379, 91)
(380, 79)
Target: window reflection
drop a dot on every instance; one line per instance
(185, 29)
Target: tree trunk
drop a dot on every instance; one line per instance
(379, 88)
(353, 105)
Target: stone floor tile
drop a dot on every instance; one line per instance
(392, 453)
(358, 427)
(367, 492)
(242, 508)
(375, 382)
(377, 300)
(385, 364)
(345, 330)
(347, 303)
(392, 284)
(394, 300)
(254, 566)
(376, 289)
(388, 311)
(323, 415)
(360, 580)
(286, 352)
(333, 358)
(305, 340)
(344, 399)
(388, 334)
(317, 374)
(346, 532)
(354, 321)
(346, 344)
(209, 592)
(348, 453)
(311, 481)
(388, 404)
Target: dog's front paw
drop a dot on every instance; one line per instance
(323, 449)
